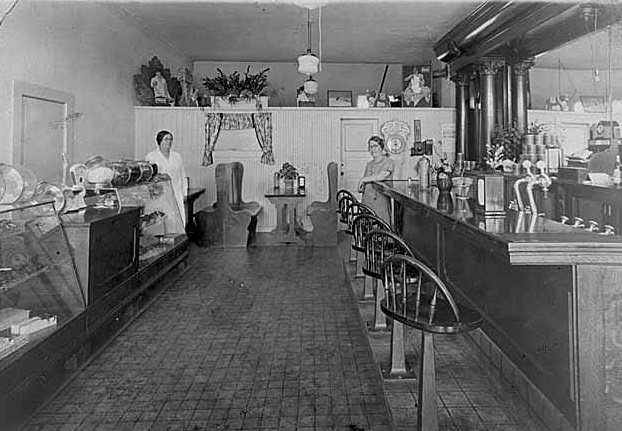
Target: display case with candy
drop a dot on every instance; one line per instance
(39, 290)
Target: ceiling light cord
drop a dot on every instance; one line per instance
(319, 24)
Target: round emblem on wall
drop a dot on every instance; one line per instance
(396, 144)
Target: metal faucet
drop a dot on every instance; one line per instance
(542, 180)
(526, 179)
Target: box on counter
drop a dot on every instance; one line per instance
(11, 316)
(32, 325)
(573, 174)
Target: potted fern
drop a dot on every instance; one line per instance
(237, 91)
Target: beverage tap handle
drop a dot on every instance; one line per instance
(527, 166)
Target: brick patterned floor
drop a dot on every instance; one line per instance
(265, 338)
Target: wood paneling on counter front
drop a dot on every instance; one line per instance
(307, 138)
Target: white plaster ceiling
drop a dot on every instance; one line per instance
(352, 31)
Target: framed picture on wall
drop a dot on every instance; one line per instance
(593, 103)
(417, 86)
(339, 98)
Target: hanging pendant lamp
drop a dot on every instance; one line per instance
(308, 63)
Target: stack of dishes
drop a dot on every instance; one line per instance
(17, 184)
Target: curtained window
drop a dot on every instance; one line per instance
(217, 121)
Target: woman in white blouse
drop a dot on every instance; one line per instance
(169, 162)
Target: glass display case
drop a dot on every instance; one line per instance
(161, 221)
(39, 290)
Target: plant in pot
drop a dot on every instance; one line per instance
(234, 88)
(288, 173)
(505, 148)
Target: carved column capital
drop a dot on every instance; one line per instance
(461, 79)
(521, 67)
(489, 65)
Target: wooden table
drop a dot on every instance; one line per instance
(285, 201)
(189, 200)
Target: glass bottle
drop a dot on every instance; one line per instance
(617, 174)
(423, 167)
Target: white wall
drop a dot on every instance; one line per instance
(85, 49)
(551, 82)
(308, 138)
(284, 79)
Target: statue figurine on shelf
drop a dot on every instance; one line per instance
(416, 89)
(189, 94)
(160, 89)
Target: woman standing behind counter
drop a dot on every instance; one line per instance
(380, 168)
(169, 162)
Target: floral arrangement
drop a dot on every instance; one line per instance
(288, 171)
(505, 143)
(234, 88)
(535, 128)
(442, 165)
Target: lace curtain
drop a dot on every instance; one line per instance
(261, 122)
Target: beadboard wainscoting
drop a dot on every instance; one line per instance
(308, 138)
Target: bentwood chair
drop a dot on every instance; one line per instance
(417, 297)
(344, 200)
(361, 226)
(355, 209)
(379, 246)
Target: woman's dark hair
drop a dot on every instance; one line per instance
(378, 140)
(161, 134)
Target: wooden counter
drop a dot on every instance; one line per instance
(551, 296)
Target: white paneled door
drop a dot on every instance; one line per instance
(355, 132)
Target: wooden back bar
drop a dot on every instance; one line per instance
(547, 292)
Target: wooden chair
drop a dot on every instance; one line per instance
(417, 297)
(344, 200)
(354, 209)
(230, 222)
(361, 226)
(379, 246)
(323, 215)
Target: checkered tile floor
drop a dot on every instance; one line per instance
(255, 339)
(269, 338)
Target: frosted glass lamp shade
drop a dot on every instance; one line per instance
(308, 64)
(310, 86)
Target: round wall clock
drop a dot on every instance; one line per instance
(396, 144)
(395, 135)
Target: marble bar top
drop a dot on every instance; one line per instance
(525, 238)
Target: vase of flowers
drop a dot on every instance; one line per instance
(288, 174)
(234, 89)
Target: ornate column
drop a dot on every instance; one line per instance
(461, 81)
(488, 68)
(519, 101)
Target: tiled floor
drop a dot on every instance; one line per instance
(268, 338)
(468, 397)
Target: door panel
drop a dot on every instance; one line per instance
(355, 132)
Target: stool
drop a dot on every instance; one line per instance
(355, 209)
(379, 246)
(417, 297)
(361, 226)
(344, 199)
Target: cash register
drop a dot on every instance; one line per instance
(599, 156)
